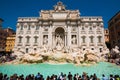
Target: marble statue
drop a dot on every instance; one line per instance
(59, 42)
(74, 40)
(45, 40)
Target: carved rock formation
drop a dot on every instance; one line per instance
(76, 57)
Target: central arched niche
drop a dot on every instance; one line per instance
(59, 38)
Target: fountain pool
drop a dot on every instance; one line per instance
(49, 69)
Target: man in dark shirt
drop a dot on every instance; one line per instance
(69, 76)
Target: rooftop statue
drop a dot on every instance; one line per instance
(59, 42)
(59, 7)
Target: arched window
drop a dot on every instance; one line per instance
(91, 39)
(35, 39)
(20, 39)
(99, 39)
(83, 39)
(27, 39)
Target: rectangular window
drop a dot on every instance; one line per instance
(91, 39)
(83, 39)
(36, 39)
(28, 39)
(20, 39)
(99, 39)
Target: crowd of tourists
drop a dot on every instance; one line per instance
(61, 76)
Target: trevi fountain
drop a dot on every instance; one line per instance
(60, 40)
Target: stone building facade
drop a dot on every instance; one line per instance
(10, 42)
(4, 33)
(59, 29)
(114, 30)
(106, 32)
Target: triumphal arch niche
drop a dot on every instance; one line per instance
(59, 35)
(59, 29)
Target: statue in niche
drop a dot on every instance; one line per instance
(74, 40)
(45, 40)
(59, 42)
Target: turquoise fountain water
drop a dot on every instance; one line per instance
(49, 69)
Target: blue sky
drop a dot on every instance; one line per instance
(10, 10)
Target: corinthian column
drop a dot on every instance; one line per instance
(53, 40)
(65, 39)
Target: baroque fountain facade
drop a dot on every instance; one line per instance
(60, 34)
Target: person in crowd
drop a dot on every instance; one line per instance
(11, 78)
(64, 77)
(53, 77)
(1, 76)
(74, 78)
(61, 76)
(80, 78)
(41, 78)
(84, 76)
(29, 77)
(94, 77)
(117, 77)
(48, 78)
(38, 76)
(5, 77)
(32, 77)
(104, 78)
(111, 77)
(15, 76)
(69, 76)
(91, 77)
